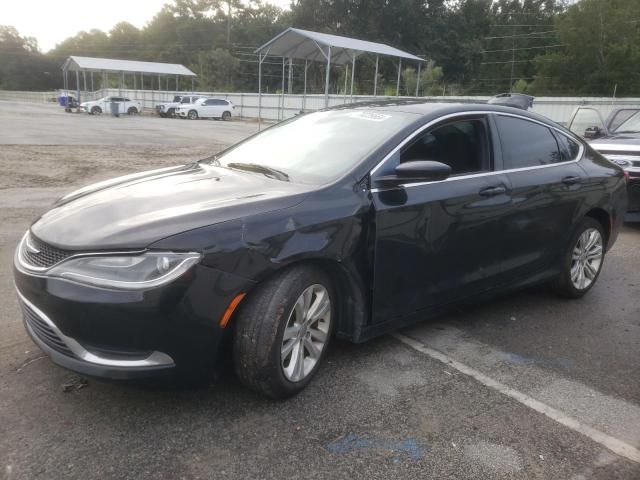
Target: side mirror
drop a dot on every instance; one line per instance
(592, 132)
(414, 172)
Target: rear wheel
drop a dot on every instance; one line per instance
(96, 111)
(583, 260)
(283, 331)
(193, 115)
(226, 116)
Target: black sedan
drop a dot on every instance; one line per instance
(347, 222)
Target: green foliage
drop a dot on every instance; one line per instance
(474, 46)
(520, 86)
(22, 66)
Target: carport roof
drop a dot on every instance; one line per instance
(75, 63)
(305, 45)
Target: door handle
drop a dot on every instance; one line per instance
(492, 191)
(571, 180)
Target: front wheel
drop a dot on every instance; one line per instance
(96, 111)
(583, 261)
(226, 116)
(193, 115)
(283, 330)
(132, 111)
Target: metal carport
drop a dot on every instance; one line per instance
(295, 43)
(122, 67)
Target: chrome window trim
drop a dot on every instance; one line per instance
(155, 359)
(479, 174)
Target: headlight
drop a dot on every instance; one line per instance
(130, 272)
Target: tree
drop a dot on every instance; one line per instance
(22, 66)
(601, 51)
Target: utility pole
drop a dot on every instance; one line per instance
(513, 58)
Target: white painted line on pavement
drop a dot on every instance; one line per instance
(615, 445)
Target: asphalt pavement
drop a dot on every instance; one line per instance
(528, 386)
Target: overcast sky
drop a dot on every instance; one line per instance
(51, 21)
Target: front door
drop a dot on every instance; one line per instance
(437, 242)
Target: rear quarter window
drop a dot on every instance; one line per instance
(525, 143)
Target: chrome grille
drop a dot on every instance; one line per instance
(41, 255)
(43, 331)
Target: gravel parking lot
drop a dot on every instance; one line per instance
(526, 387)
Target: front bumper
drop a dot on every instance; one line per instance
(633, 198)
(170, 330)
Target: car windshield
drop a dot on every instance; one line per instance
(630, 125)
(315, 148)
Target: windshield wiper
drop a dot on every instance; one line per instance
(627, 131)
(255, 167)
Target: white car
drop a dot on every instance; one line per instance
(168, 109)
(103, 105)
(207, 108)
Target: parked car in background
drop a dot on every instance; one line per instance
(206, 108)
(516, 100)
(168, 109)
(351, 221)
(103, 105)
(618, 139)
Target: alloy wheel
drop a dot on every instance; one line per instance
(306, 333)
(586, 258)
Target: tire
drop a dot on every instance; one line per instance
(260, 329)
(96, 111)
(582, 263)
(192, 115)
(132, 111)
(226, 116)
(171, 113)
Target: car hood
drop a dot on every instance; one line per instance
(621, 142)
(134, 211)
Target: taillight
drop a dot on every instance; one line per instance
(626, 175)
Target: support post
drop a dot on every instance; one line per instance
(281, 109)
(418, 79)
(78, 85)
(260, 58)
(304, 94)
(290, 80)
(326, 81)
(92, 89)
(192, 85)
(346, 74)
(398, 83)
(353, 70)
(84, 80)
(375, 79)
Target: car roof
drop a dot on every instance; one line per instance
(429, 109)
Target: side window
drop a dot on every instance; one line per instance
(127, 100)
(569, 148)
(208, 102)
(620, 117)
(585, 118)
(462, 144)
(526, 144)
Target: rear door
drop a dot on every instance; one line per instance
(439, 241)
(546, 188)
